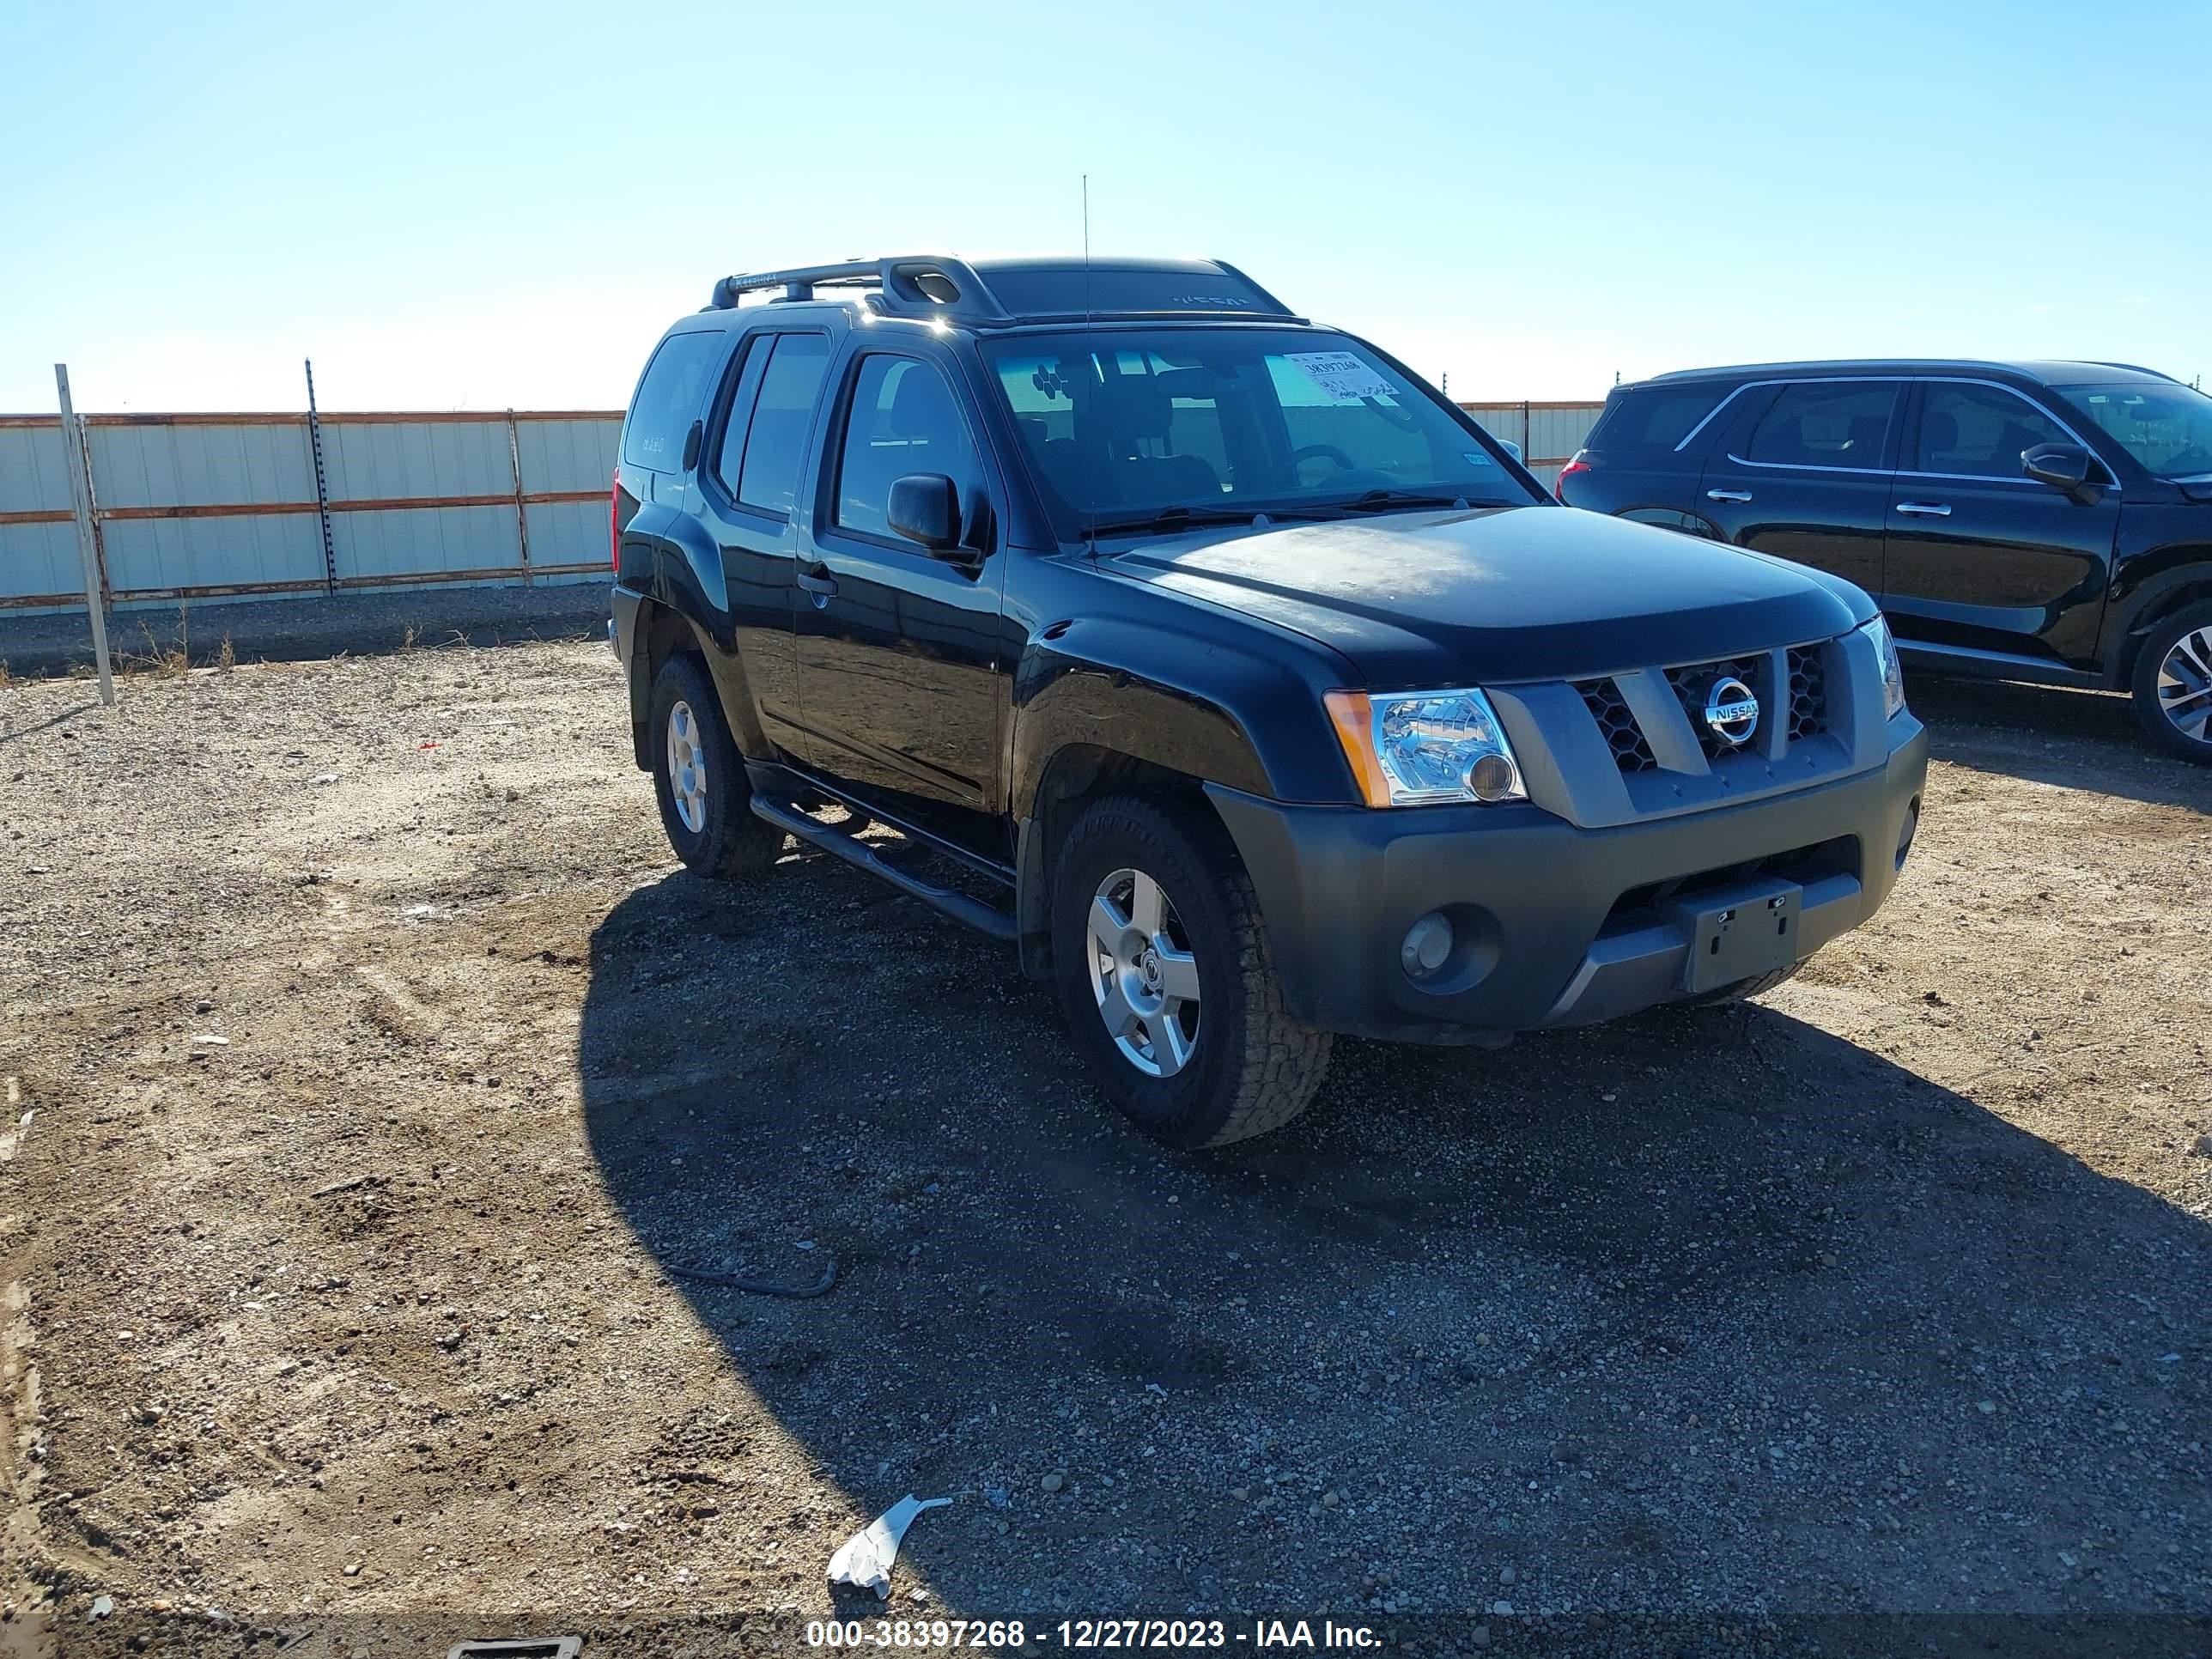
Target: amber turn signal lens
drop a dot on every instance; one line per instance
(1354, 716)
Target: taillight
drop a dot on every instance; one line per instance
(613, 526)
(1576, 465)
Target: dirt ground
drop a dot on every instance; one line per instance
(371, 1073)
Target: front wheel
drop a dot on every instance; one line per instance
(2173, 684)
(706, 805)
(1165, 973)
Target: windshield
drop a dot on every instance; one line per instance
(1150, 427)
(2167, 427)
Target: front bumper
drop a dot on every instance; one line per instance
(1553, 922)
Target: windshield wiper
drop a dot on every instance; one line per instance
(1376, 500)
(1169, 520)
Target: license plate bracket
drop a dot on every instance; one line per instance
(1739, 932)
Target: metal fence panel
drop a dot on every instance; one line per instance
(41, 562)
(33, 468)
(566, 453)
(415, 460)
(215, 556)
(169, 462)
(477, 543)
(566, 534)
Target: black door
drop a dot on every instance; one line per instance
(1803, 473)
(1981, 556)
(746, 493)
(899, 648)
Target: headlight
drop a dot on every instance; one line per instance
(1892, 671)
(1420, 748)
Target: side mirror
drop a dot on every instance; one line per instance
(925, 508)
(2063, 466)
(1512, 449)
(691, 444)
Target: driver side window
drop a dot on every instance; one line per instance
(1979, 431)
(904, 419)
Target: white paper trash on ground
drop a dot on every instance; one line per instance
(866, 1558)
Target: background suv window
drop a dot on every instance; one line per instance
(775, 442)
(1652, 418)
(667, 401)
(903, 420)
(1979, 431)
(1827, 424)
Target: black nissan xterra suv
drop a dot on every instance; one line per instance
(2041, 521)
(1246, 685)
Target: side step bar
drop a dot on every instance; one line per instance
(959, 906)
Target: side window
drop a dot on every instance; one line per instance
(1652, 419)
(667, 400)
(904, 420)
(1979, 431)
(775, 439)
(1827, 424)
(746, 376)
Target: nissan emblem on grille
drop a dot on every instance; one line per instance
(1731, 710)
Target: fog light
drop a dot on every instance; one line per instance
(1911, 828)
(1491, 778)
(1428, 945)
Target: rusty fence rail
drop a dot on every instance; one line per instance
(214, 506)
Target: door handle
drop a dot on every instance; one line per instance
(819, 582)
(1925, 509)
(1728, 495)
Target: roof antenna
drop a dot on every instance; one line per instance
(1090, 349)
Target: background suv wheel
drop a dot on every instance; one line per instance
(706, 805)
(1163, 965)
(2173, 684)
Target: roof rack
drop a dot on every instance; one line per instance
(935, 285)
(916, 283)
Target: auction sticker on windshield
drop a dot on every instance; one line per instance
(1342, 375)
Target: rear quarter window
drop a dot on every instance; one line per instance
(668, 400)
(1653, 420)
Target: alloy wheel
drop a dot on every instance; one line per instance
(2184, 685)
(1144, 973)
(687, 767)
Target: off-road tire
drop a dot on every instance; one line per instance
(1742, 988)
(1254, 1067)
(2161, 730)
(730, 840)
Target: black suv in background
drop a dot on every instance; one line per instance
(2047, 521)
(1225, 669)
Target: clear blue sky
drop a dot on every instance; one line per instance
(465, 205)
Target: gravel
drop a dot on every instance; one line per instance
(1857, 1300)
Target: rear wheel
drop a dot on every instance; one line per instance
(1163, 969)
(706, 805)
(2173, 684)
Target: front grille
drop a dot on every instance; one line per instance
(1694, 684)
(1808, 693)
(1630, 752)
(1803, 706)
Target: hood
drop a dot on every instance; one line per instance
(1499, 594)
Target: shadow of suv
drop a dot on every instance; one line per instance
(2046, 521)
